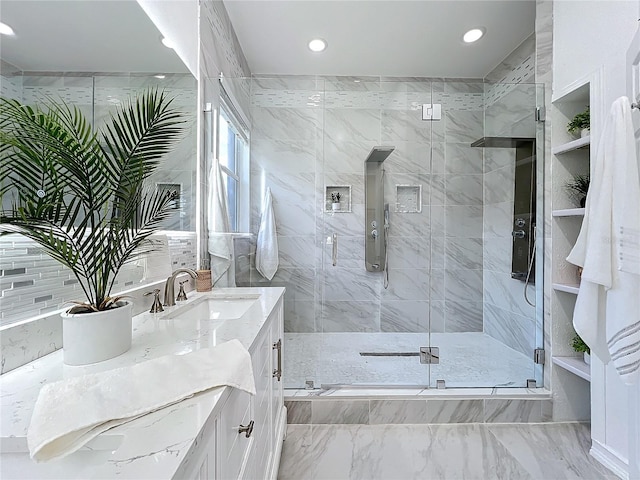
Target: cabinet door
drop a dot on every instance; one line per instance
(277, 390)
(234, 446)
(203, 465)
(262, 371)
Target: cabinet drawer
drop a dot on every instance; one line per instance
(234, 446)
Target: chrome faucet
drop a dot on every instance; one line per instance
(169, 287)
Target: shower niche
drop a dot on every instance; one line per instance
(337, 194)
(408, 198)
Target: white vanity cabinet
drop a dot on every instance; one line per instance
(197, 438)
(250, 429)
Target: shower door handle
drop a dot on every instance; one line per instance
(334, 253)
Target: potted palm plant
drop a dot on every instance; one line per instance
(81, 196)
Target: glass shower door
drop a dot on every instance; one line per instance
(372, 330)
(490, 208)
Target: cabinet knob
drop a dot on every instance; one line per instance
(246, 429)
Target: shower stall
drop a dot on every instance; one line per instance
(419, 278)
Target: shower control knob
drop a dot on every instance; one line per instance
(518, 234)
(374, 224)
(520, 222)
(374, 233)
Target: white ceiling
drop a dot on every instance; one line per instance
(379, 37)
(84, 36)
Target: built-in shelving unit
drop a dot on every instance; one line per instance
(569, 212)
(571, 157)
(572, 145)
(567, 287)
(574, 365)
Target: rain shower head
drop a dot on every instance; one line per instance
(379, 154)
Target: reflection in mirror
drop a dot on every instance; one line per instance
(95, 55)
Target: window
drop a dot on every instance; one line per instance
(233, 152)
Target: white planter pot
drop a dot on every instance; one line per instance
(585, 132)
(94, 337)
(335, 206)
(587, 358)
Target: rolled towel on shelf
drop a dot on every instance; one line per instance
(267, 244)
(71, 412)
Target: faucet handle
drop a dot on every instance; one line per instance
(157, 305)
(182, 295)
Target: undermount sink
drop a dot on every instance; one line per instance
(225, 307)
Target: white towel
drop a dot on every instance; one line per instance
(267, 243)
(71, 412)
(220, 242)
(607, 312)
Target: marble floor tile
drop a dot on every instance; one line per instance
(546, 450)
(402, 452)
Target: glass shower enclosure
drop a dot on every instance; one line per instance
(424, 274)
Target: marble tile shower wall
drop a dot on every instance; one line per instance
(311, 132)
(511, 101)
(11, 86)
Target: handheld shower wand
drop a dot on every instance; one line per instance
(386, 246)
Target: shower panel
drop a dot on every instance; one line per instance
(375, 247)
(524, 205)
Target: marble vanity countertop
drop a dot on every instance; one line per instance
(158, 445)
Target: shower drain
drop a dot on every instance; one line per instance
(389, 354)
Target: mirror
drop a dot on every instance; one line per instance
(96, 54)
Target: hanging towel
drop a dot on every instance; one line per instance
(267, 244)
(220, 242)
(607, 311)
(71, 412)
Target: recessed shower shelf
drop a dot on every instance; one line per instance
(574, 365)
(408, 198)
(572, 145)
(569, 212)
(566, 287)
(344, 205)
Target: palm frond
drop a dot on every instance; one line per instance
(79, 194)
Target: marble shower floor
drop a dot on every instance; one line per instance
(470, 451)
(466, 360)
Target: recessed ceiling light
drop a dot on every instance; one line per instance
(6, 29)
(160, 76)
(167, 43)
(317, 45)
(473, 35)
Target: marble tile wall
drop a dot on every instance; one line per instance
(32, 284)
(386, 411)
(310, 132)
(544, 76)
(22, 341)
(510, 103)
(10, 81)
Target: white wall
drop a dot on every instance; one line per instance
(177, 20)
(588, 36)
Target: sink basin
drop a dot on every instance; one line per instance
(215, 308)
